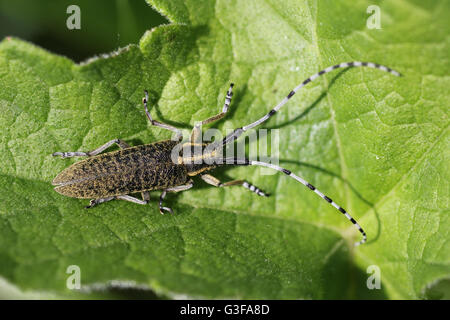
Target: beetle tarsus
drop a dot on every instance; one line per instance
(161, 208)
(63, 155)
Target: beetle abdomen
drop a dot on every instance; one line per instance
(131, 170)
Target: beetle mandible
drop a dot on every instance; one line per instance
(115, 175)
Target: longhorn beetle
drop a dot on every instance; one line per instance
(140, 169)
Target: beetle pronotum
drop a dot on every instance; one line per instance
(140, 169)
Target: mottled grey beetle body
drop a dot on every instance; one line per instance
(131, 170)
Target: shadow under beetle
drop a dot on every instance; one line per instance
(169, 165)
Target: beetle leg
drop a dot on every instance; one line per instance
(132, 199)
(161, 208)
(195, 135)
(95, 202)
(145, 199)
(120, 143)
(178, 134)
(216, 182)
(174, 189)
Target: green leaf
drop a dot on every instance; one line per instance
(378, 145)
(120, 22)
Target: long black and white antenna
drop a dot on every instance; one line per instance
(247, 162)
(239, 131)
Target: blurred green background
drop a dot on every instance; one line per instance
(105, 24)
